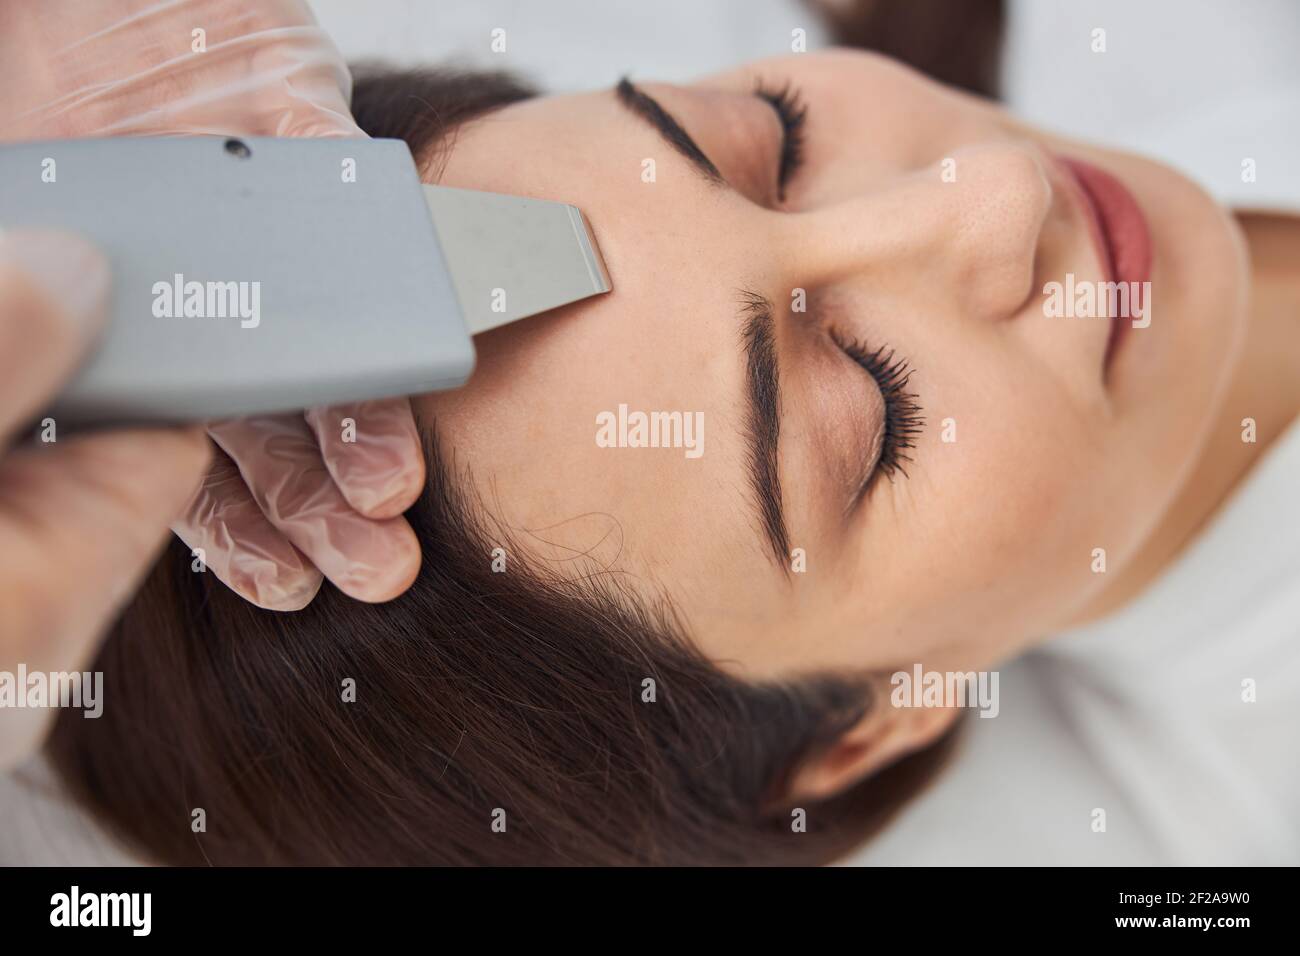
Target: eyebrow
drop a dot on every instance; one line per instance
(763, 421)
(647, 108)
(758, 340)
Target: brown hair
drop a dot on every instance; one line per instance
(475, 692)
(955, 43)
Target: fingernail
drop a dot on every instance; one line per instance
(67, 268)
(387, 502)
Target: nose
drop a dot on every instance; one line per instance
(966, 229)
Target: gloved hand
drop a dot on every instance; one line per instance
(286, 500)
(83, 516)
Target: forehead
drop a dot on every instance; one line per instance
(533, 425)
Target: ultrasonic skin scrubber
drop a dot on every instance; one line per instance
(262, 275)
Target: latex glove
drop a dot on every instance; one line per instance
(82, 517)
(289, 500)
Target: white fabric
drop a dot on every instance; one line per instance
(567, 45)
(1199, 84)
(1142, 716)
(39, 827)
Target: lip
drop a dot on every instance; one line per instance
(1119, 230)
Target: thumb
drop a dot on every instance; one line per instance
(80, 516)
(53, 289)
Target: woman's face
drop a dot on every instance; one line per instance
(919, 221)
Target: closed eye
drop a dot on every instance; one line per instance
(792, 112)
(785, 101)
(903, 420)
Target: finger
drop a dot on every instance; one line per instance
(373, 453)
(365, 558)
(53, 292)
(230, 535)
(80, 522)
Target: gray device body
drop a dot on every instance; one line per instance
(260, 275)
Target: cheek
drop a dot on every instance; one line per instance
(996, 525)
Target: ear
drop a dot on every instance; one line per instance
(885, 735)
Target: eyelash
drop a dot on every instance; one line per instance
(903, 420)
(792, 112)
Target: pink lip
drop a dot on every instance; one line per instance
(1120, 231)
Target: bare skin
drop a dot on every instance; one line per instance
(984, 548)
(1265, 387)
